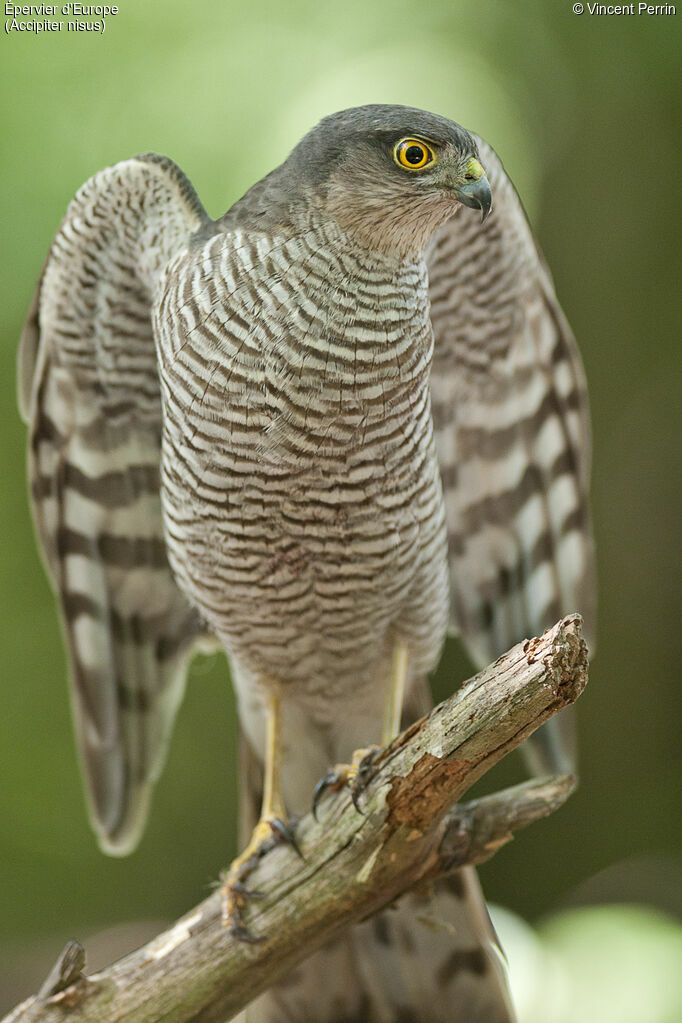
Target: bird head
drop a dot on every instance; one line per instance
(390, 175)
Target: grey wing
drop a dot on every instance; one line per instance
(89, 390)
(512, 429)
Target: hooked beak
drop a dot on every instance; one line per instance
(475, 192)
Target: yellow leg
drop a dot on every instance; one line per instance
(273, 806)
(270, 828)
(393, 708)
(354, 775)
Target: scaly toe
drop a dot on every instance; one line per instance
(353, 776)
(235, 895)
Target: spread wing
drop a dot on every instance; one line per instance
(512, 429)
(89, 391)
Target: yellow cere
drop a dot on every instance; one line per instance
(413, 154)
(474, 171)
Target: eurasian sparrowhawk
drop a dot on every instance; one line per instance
(324, 429)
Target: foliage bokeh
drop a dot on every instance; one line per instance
(583, 111)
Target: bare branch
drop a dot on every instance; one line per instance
(354, 863)
(473, 832)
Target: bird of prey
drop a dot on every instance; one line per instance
(324, 430)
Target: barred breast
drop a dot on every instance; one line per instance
(302, 498)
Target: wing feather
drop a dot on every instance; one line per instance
(89, 390)
(512, 429)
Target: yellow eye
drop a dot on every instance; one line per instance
(413, 154)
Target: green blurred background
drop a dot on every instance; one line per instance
(585, 112)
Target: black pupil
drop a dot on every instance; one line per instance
(414, 154)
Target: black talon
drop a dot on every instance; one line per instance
(355, 793)
(284, 832)
(328, 781)
(241, 933)
(365, 769)
(361, 780)
(246, 893)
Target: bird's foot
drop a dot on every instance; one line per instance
(353, 776)
(269, 831)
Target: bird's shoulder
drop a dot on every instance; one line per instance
(265, 209)
(257, 223)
